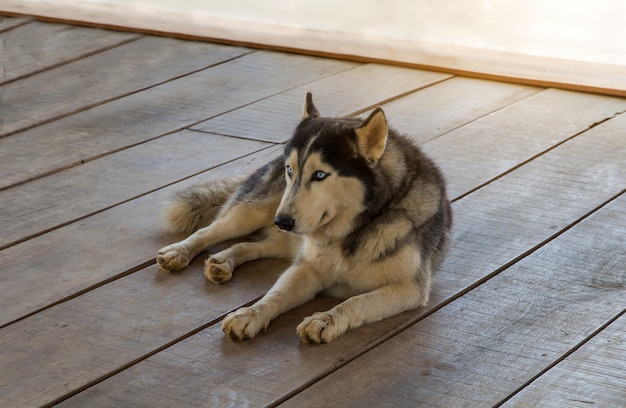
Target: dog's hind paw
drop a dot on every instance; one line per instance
(218, 270)
(321, 327)
(173, 257)
(243, 323)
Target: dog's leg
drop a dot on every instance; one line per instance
(297, 285)
(275, 244)
(386, 301)
(237, 221)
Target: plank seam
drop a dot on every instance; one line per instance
(124, 95)
(185, 127)
(527, 161)
(82, 291)
(270, 96)
(439, 62)
(128, 272)
(138, 360)
(507, 105)
(66, 223)
(101, 155)
(376, 343)
(74, 59)
(355, 113)
(563, 357)
(400, 96)
(23, 23)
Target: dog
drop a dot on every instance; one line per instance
(361, 211)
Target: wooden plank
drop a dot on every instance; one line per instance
(7, 23)
(466, 60)
(121, 239)
(39, 46)
(166, 108)
(85, 338)
(71, 263)
(545, 196)
(339, 95)
(439, 109)
(108, 75)
(592, 376)
(254, 372)
(517, 133)
(482, 347)
(48, 203)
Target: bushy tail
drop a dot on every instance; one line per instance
(197, 206)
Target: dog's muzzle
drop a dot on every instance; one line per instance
(284, 222)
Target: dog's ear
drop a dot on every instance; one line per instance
(309, 110)
(372, 136)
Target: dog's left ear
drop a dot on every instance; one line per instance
(309, 110)
(372, 136)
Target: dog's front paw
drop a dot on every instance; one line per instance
(173, 257)
(243, 323)
(321, 327)
(218, 270)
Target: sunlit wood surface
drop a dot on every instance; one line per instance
(98, 128)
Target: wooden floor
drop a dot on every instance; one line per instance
(99, 128)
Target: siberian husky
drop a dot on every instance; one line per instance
(360, 210)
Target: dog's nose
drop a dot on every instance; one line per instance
(284, 222)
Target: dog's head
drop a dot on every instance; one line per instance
(329, 164)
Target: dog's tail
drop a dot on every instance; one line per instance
(198, 205)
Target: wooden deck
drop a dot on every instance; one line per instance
(98, 128)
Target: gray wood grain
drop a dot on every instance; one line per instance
(339, 95)
(44, 204)
(39, 46)
(491, 230)
(106, 245)
(484, 346)
(140, 117)
(86, 314)
(103, 77)
(591, 376)
(8, 23)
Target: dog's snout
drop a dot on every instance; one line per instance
(284, 222)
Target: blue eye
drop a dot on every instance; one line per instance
(289, 170)
(319, 176)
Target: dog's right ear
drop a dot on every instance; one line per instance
(372, 136)
(309, 110)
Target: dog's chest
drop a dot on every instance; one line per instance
(346, 276)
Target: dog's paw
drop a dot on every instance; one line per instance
(173, 257)
(321, 327)
(218, 270)
(243, 323)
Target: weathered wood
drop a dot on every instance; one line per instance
(516, 134)
(592, 376)
(493, 226)
(541, 198)
(169, 107)
(48, 203)
(103, 77)
(40, 46)
(7, 23)
(101, 310)
(21, 303)
(104, 329)
(460, 59)
(482, 347)
(71, 259)
(439, 109)
(529, 126)
(351, 91)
